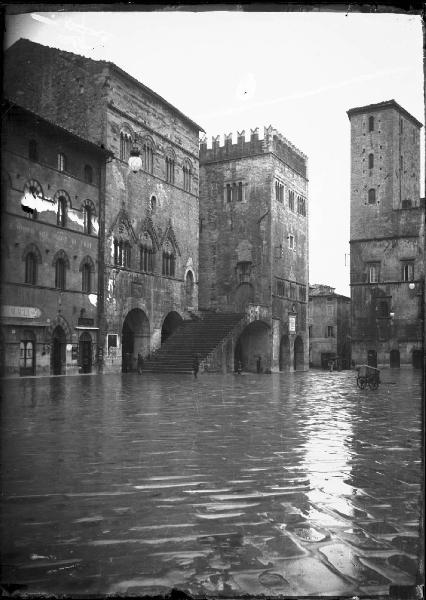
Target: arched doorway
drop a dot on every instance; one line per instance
(189, 288)
(284, 353)
(372, 358)
(27, 353)
(170, 324)
(417, 359)
(58, 353)
(299, 359)
(252, 344)
(244, 295)
(394, 359)
(85, 352)
(135, 338)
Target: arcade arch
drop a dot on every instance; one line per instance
(170, 324)
(253, 343)
(135, 338)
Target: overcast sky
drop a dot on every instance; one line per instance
(229, 71)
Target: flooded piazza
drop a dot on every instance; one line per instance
(284, 484)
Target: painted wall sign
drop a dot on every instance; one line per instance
(23, 312)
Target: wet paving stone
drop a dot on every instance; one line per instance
(291, 484)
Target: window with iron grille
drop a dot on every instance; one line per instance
(373, 272)
(31, 268)
(408, 270)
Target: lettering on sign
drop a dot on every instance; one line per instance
(23, 312)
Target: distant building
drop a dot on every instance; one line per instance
(329, 328)
(387, 236)
(149, 235)
(51, 195)
(254, 246)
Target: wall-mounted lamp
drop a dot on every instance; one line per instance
(135, 161)
(412, 286)
(392, 314)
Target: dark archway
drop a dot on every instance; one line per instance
(417, 359)
(58, 352)
(135, 338)
(372, 358)
(394, 359)
(170, 324)
(285, 353)
(244, 295)
(252, 344)
(85, 352)
(299, 359)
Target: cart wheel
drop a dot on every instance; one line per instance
(359, 382)
(362, 383)
(374, 384)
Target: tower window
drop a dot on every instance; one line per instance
(32, 150)
(291, 199)
(370, 123)
(408, 270)
(373, 272)
(125, 142)
(62, 162)
(170, 169)
(372, 196)
(88, 174)
(62, 212)
(370, 161)
(330, 331)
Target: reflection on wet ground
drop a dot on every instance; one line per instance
(287, 484)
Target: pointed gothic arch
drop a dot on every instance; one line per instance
(61, 255)
(33, 249)
(87, 260)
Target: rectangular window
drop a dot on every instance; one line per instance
(330, 331)
(302, 293)
(292, 291)
(310, 330)
(291, 200)
(408, 270)
(228, 192)
(291, 244)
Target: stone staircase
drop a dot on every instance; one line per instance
(200, 335)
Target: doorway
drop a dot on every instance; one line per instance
(299, 359)
(394, 359)
(27, 354)
(58, 351)
(85, 352)
(417, 358)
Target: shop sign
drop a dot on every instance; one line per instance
(23, 312)
(292, 324)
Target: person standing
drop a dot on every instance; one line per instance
(140, 363)
(195, 366)
(259, 364)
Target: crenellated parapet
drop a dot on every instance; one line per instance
(271, 142)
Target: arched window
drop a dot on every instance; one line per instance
(62, 211)
(187, 174)
(62, 162)
(86, 277)
(127, 250)
(61, 264)
(170, 168)
(125, 144)
(31, 268)
(148, 155)
(147, 255)
(88, 174)
(370, 123)
(372, 196)
(122, 253)
(169, 261)
(32, 150)
(60, 274)
(370, 161)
